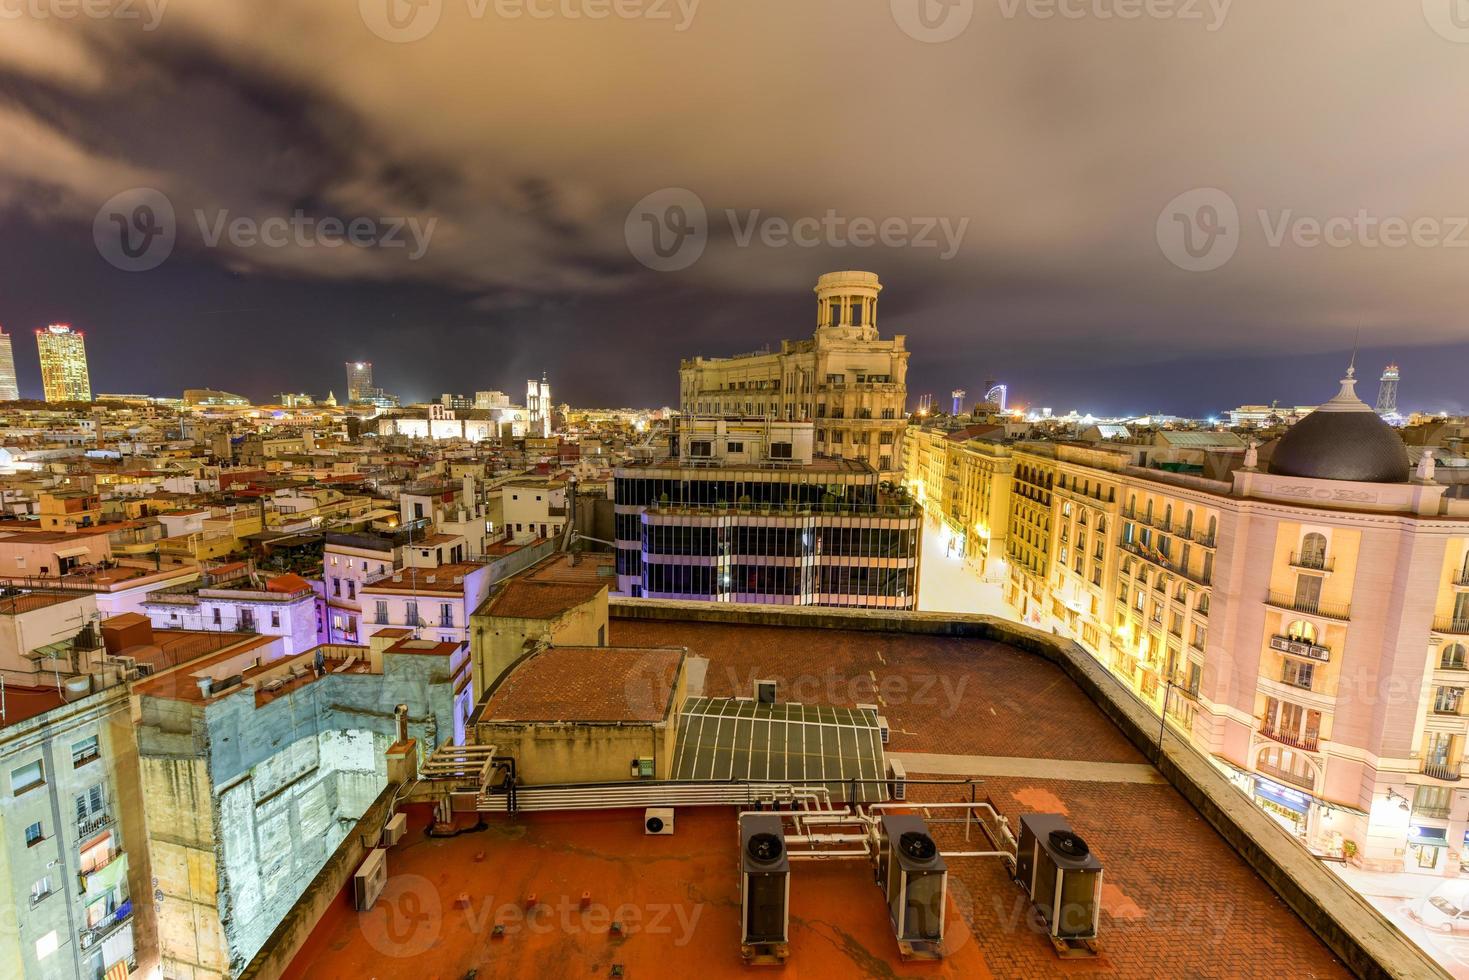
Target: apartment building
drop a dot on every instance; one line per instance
(533, 507)
(284, 606)
(1300, 611)
(741, 510)
(430, 602)
(846, 379)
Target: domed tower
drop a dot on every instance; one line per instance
(1342, 440)
(846, 305)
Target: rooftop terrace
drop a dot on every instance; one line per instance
(1178, 900)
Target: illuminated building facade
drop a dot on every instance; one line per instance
(9, 389)
(846, 380)
(741, 511)
(64, 375)
(1304, 620)
(359, 381)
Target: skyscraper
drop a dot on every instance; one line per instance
(9, 391)
(64, 364)
(359, 380)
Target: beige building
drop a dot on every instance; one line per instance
(846, 379)
(1300, 609)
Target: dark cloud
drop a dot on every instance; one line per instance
(1055, 142)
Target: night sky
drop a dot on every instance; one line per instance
(1057, 143)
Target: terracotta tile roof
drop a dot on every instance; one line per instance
(520, 599)
(589, 684)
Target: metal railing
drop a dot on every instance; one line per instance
(1440, 771)
(1435, 812)
(1315, 563)
(1451, 624)
(1311, 607)
(1286, 776)
(1306, 743)
(93, 824)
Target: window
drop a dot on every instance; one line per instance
(27, 777)
(336, 587)
(1298, 674)
(84, 751)
(216, 616)
(1313, 551)
(382, 613)
(34, 835)
(411, 616)
(1447, 700)
(275, 618)
(701, 449)
(446, 614)
(736, 447)
(780, 450)
(351, 589)
(1453, 657)
(40, 889)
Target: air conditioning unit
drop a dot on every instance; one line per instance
(765, 692)
(395, 829)
(658, 821)
(765, 889)
(884, 729)
(916, 881)
(1061, 876)
(368, 882)
(898, 776)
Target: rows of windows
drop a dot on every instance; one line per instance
(777, 581)
(784, 542)
(798, 490)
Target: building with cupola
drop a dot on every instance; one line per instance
(1299, 611)
(846, 380)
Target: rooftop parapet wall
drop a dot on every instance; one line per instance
(1364, 939)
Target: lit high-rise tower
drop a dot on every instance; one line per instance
(64, 364)
(1387, 392)
(9, 390)
(359, 381)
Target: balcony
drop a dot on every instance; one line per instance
(1461, 580)
(1312, 607)
(1313, 563)
(1451, 624)
(99, 933)
(1432, 812)
(1306, 743)
(1286, 776)
(1449, 774)
(93, 825)
(1297, 648)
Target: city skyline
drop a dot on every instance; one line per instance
(1044, 270)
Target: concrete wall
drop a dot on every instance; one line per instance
(247, 803)
(579, 753)
(1366, 941)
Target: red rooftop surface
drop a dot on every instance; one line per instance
(1177, 900)
(529, 599)
(591, 684)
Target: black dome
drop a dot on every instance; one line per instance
(1342, 440)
